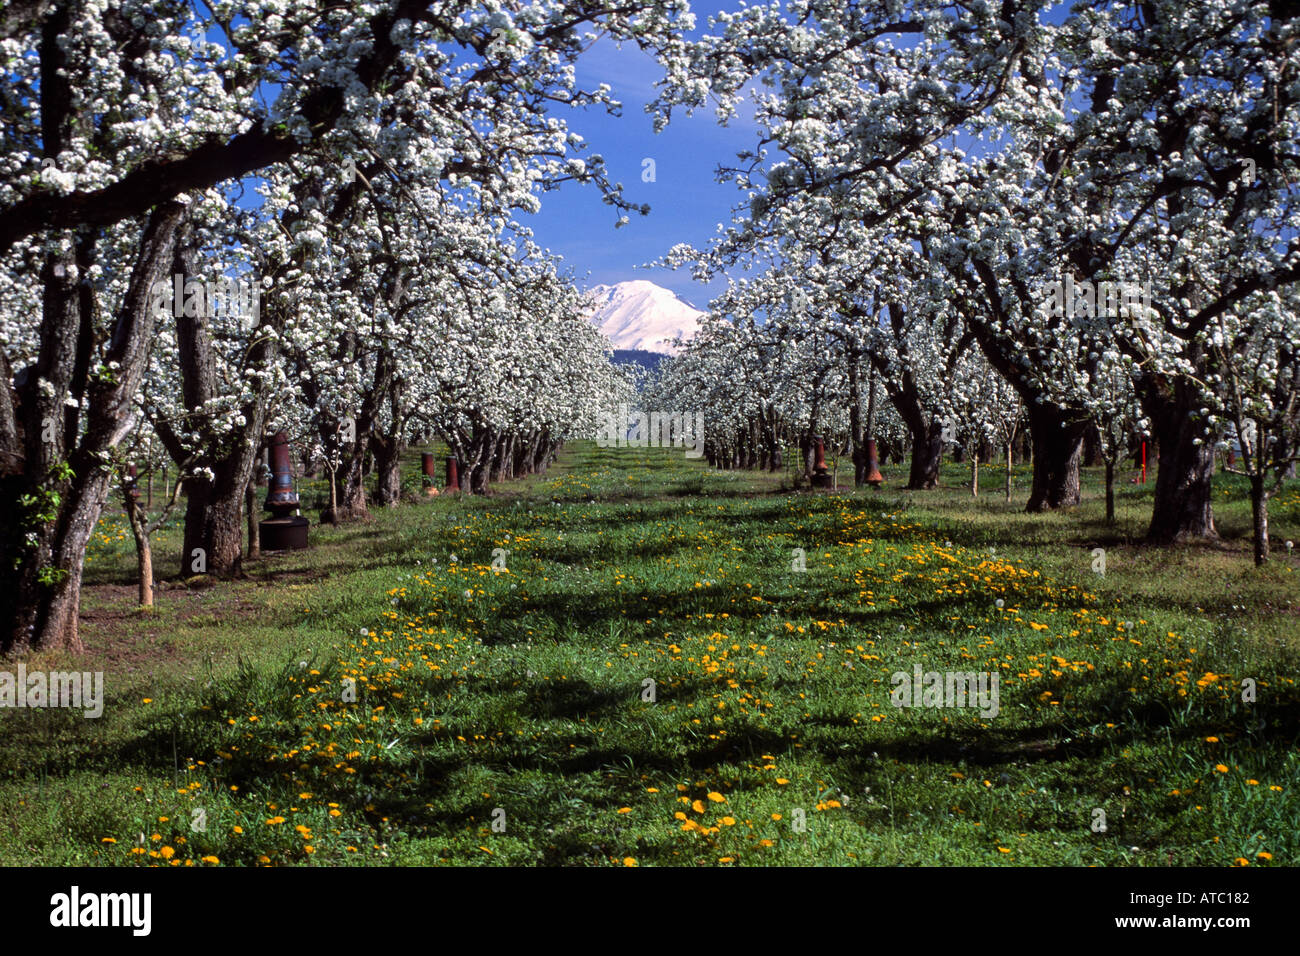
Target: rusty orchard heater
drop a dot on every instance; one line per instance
(284, 531)
(821, 477)
(430, 468)
(874, 477)
(453, 475)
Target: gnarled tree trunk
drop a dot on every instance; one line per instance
(1058, 442)
(214, 507)
(1183, 504)
(388, 475)
(927, 455)
(43, 549)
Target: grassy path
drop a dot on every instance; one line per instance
(668, 665)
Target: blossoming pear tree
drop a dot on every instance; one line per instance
(124, 118)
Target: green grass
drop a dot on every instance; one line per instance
(500, 716)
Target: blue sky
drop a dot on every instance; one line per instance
(686, 203)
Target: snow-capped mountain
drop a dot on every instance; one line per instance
(642, 315)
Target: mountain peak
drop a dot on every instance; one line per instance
(638, 314)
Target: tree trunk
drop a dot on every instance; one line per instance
(388, 460)
(334, 497)
(213, 512)
(479, 477)
(474, 453)
(1110, 490)
(1092, 456)
(857, 431)
(57, 604)
(214, 506)
(1058, 441)
(975, 475)
(352, 499)
(1259, 518)
(775, 459)
(251, 511)
(382, 390)
(521, 456)
(508, 458)
(1183, 507)
(927, 455)
(1009, 471)
(542, 454)
(143, 551)
(43, 548)
(924, 430)
(221, 527)
(145, 569)
(496, 465)
(1020, 448)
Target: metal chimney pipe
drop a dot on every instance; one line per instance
(284, 531)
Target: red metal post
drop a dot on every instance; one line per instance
(429, 466)
(874, 477)
(821, 477)
(453, 475)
